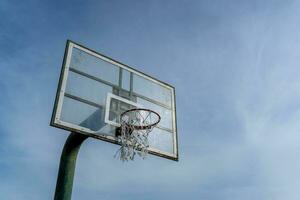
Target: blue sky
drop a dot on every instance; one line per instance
(235, 66)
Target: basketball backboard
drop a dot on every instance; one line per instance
(94, 90)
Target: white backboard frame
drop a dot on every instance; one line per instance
(56, 116)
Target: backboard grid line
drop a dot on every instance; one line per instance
(83, 100)
(117, 87)
(93, 77)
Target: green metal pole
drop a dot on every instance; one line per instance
(67, 165)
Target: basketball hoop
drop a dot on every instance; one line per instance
(136, 124)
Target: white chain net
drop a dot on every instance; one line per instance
(135, 141)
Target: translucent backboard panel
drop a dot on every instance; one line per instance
(94, 90)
